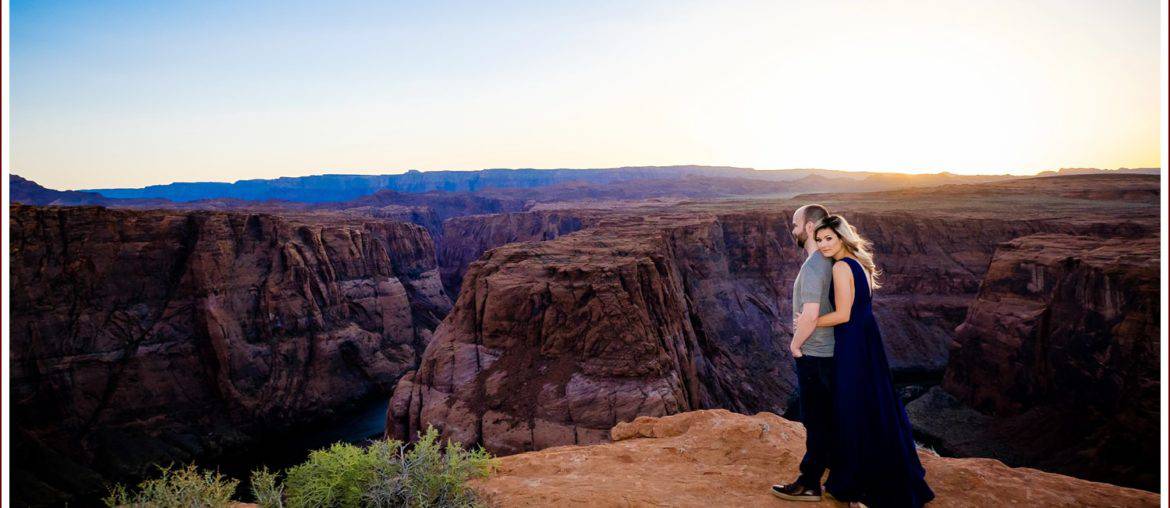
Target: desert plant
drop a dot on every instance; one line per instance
(187, 487)
(266, 489)
(336, 476)
(389, 487)
(383, 474)
(432, 477)
(387, 474)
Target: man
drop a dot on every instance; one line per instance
(812, 348)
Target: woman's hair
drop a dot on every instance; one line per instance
(861, 248)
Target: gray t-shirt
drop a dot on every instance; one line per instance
(813, 284)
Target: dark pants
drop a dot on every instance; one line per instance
(815, 381)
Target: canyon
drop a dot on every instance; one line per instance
(523, 323)
(1059, 356)
(664, 310)
(141, 338)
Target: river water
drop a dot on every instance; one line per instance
(365, 422)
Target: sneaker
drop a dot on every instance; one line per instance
(796, 492)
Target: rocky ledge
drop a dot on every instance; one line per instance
(716, 457)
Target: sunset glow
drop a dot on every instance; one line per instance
(130, 94)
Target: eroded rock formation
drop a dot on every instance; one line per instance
(1060, 352)
(145, 337)
(683, 311)
(150, 336)
(465, 239)
(687, 307)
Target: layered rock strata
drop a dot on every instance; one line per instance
(145, 337)
(553, 342)
(1060, 355)
(465, 239)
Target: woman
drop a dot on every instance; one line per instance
(875, 459)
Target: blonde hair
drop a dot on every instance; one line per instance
(861, 248)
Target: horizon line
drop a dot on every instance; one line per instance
(406, 171)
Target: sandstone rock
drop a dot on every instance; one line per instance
(145, 337)
(1065, 336)
(657, 314)
(715, 457)
(679, 308)
(464, 239)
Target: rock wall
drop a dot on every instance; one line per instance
(1064, 337)
(145, 337)
(465, 239)
(553, 342)
(536, 354)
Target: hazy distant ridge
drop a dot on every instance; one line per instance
(320, 188)
(340, 188)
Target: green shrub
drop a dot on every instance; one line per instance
(336, 476)
(175, 488)
(383, 474)
(387, 474)
(425, 476)
(266, 489)
(435, 479)
(389, 485)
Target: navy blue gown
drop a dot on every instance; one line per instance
(874, 459)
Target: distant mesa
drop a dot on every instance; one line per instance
(29, 192)
(1096, 171)
(338, 187)
(687, 181)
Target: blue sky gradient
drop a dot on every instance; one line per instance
(122, 93)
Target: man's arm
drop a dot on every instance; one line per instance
(805, 324)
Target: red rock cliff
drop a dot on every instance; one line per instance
(465, 239)
(142, 337)
(1064, 337)
(554, 342)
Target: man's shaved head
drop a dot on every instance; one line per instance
(804, 218)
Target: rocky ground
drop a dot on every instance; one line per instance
(719, 458)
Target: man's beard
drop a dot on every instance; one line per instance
(799, 241)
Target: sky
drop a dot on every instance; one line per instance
(132, 93)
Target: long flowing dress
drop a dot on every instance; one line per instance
(875, 460)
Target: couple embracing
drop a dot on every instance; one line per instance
(856, 425)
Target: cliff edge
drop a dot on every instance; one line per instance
(719, 458)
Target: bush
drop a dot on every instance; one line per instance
(383, 474)
(266, 489)
(424, 476)
(175, 488)
(386, 474)
(336, 476)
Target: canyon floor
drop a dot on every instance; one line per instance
(719, 458)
